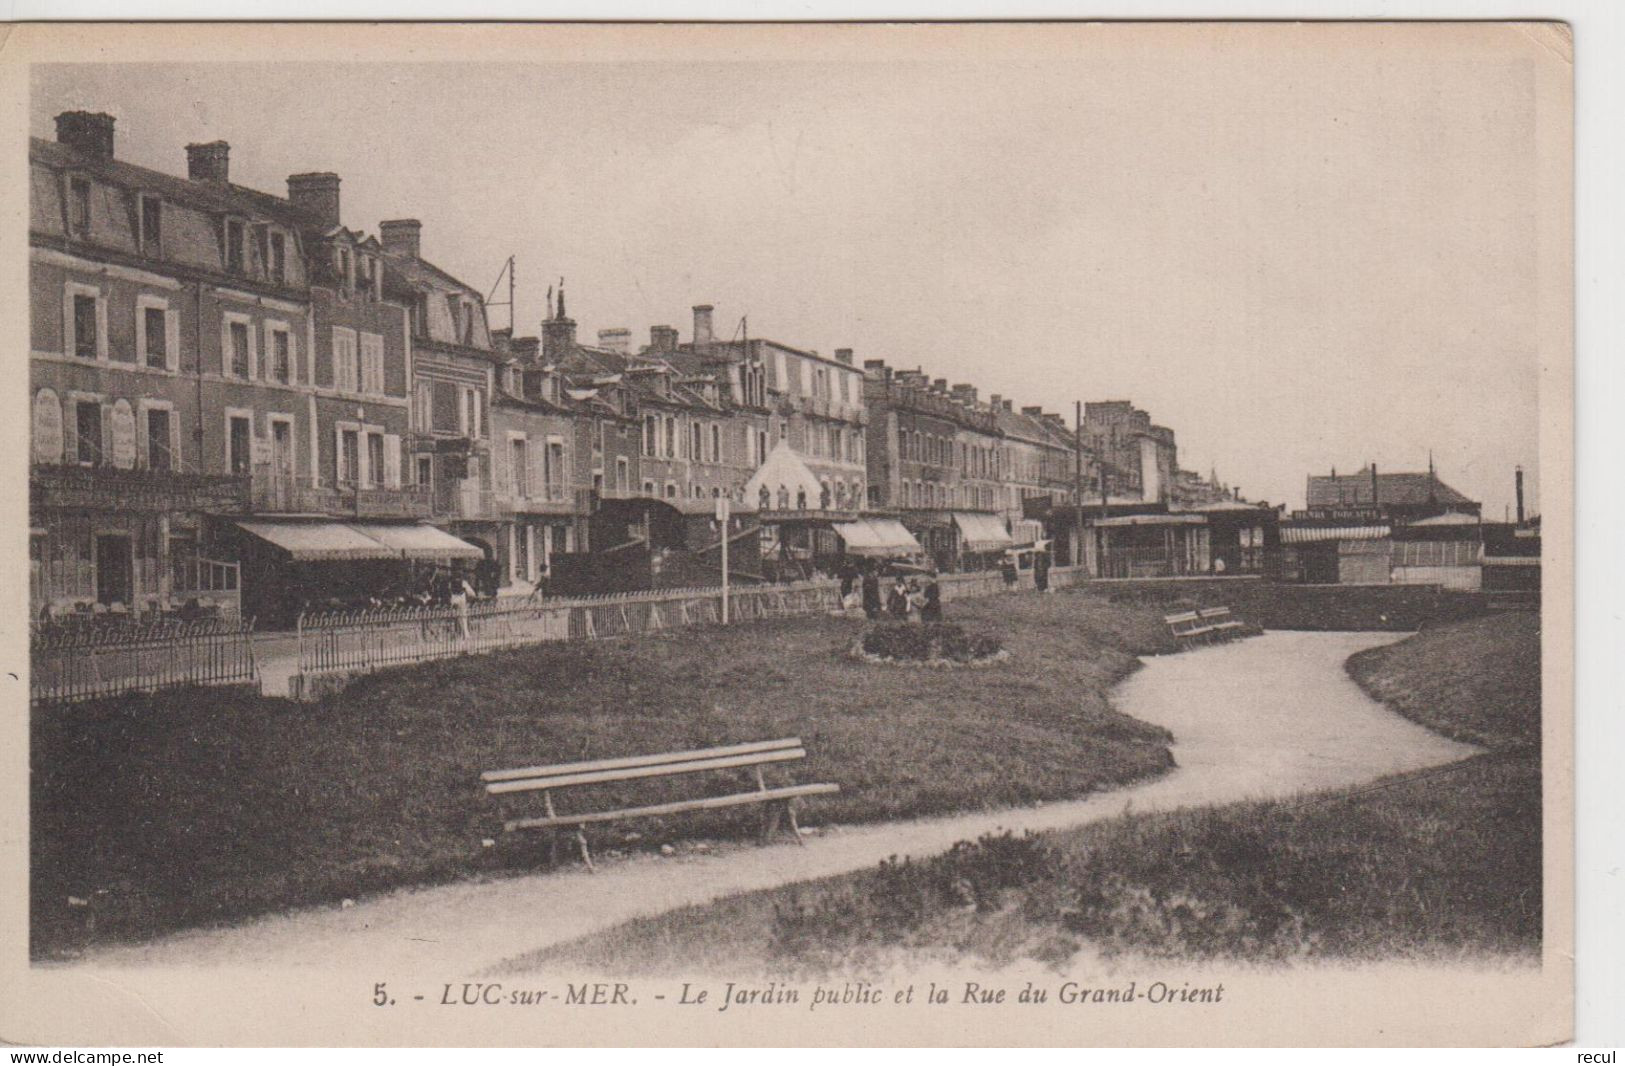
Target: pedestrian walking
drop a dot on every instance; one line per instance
(869, 586)
(931, 609)
(1041, 571)
(897, 601)
(461, 593)
(1008, 569)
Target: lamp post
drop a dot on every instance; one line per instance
(722, 520)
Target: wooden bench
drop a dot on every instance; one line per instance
(780, 801)
(1186, 625)
(1222, 622)
(1204, 624)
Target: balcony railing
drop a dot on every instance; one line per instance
(553, 499)
(137, 490)
(459, 500)
(277, 492)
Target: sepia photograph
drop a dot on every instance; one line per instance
(822, 534)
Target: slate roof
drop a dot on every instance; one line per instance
(1354, 490)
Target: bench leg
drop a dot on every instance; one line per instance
(795, 829)
(770, 820)
(586, 856)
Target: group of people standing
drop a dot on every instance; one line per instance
(901, 598)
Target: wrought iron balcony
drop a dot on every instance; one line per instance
(276, 492)
(89, 486)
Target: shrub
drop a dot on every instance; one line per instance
(928, 642)
(896, 899)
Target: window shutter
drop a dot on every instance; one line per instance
(392, 460)
(48, 433)
(502, 467)
(123, 436)
(101, 326)
(339, 473)
(536, 457)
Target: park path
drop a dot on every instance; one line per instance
(1271, 716)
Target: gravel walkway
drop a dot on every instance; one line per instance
(1270, 716)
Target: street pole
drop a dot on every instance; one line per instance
(722, 519)
(1077, 486)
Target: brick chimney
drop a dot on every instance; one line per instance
(702, 324)
(662, 339)
(1036, 411)
(209, 162)
(965, 394)
(940, 385)
(317, 195)
(1374, 495)
(618, 339)
(402, 237)
(844, 356)
(88, 132)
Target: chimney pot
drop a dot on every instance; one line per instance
(702, 324)
(399, 236)
(317, 195)
(90, 132)
(209, 162)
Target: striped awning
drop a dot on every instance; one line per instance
(981, 532)
(412, 541)
(1316, 534)
(318, 541)
(312, 542)
(877, 536)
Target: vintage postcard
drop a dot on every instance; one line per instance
(819, 534)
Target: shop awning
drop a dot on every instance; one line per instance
(1024, 531)
(981, 532)
(411, 541)
(1315, 534)
(877, 536)
(319, 541)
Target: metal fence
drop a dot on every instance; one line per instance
(344, 641)
(90, 661)
(364, 640)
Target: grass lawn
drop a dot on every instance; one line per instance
(1442, 862)
(195, 807)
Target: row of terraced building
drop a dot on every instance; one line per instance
(240, 402)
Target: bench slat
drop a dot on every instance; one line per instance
(633, 773)
(567, 768)
(672, 808)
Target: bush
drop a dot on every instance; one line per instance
(928, 642)
(817, 927)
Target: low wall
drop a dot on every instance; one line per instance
(1400, 608)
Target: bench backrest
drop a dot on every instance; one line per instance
(600, 771)
(1181, 618)
(1211, 613)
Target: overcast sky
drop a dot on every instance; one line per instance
(1295, 259)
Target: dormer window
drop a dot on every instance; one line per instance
(152, 225)
(79, 206)
(346, 270)
(234, 245)
(278, 266)
(262, 247)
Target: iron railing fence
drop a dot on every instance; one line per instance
(75, 662)
(364, 640)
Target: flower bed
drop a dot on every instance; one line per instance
(927, 644)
